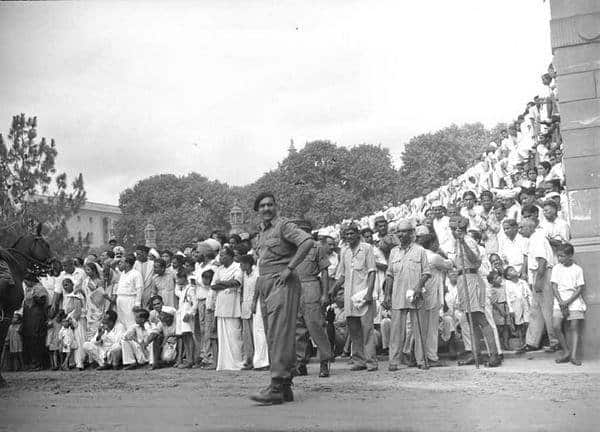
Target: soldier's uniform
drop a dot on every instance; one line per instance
(278, 242)
(310, 315)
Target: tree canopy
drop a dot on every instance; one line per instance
(31, 190)
(181, 209)
(430, 160)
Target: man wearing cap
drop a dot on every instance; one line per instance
(471, 288)
(407, 272)
(315, 289)
(357, 275)
(146, 269)
(282, 246)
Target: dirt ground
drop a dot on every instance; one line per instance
(523, 395)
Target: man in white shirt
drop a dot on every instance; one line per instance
(105, 346)
(441, 226)
(129, 291)
(146, 269)
(539, 267)
(513, 246)
(557, 230)
(250, 275)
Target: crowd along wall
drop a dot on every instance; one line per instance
(575, 36)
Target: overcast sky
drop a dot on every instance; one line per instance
(133, 89)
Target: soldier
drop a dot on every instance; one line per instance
(282, 246)
(315, 287)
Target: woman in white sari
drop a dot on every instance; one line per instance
(227, 281)
(94, 299)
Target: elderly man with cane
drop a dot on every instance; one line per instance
(471, 292)
(408, 270)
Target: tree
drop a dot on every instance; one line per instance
(182, 209)
(326, 183)
(31, 191)
(430, 160)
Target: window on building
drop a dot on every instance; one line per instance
(91, 220)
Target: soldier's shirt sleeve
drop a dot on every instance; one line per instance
(322, 259)
(293, 234)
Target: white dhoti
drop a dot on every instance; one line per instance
(125, 305)
(261, 350)
(134, 353)
(229, 333)
(79, 333)
(101, 354)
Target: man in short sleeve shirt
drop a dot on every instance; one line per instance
(539, 267)
(357, 274)
(282, 246)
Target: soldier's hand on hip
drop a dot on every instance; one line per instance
(285, 275)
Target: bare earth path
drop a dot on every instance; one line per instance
(523, 395)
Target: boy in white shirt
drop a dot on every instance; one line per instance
(567, 285)
(134, 344)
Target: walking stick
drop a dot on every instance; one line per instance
(421, 335)
(469, 316)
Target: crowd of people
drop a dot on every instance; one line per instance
(483, 261)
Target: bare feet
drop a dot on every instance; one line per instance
(563, 359)
(576, 362)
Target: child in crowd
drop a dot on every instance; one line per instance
(336, 323)
(14, 343)
(185, 291)
(568, 285)
(74, 305)
(450, 316)
(211, 348)
(500, 310)
(68, 344)
(134, 344)
(53, 339)
(518, 297)
(163, 339)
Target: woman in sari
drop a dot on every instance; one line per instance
(94, 299)
(34, 321)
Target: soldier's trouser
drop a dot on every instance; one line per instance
(279, 306)
(311, 322)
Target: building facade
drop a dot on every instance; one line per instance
(94, 223)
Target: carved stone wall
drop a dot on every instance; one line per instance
(575, 36)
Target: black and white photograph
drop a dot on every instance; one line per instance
(336, 215)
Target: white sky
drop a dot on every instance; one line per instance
(127, 88)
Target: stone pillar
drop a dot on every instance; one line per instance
(150, 235)
(575, 34)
